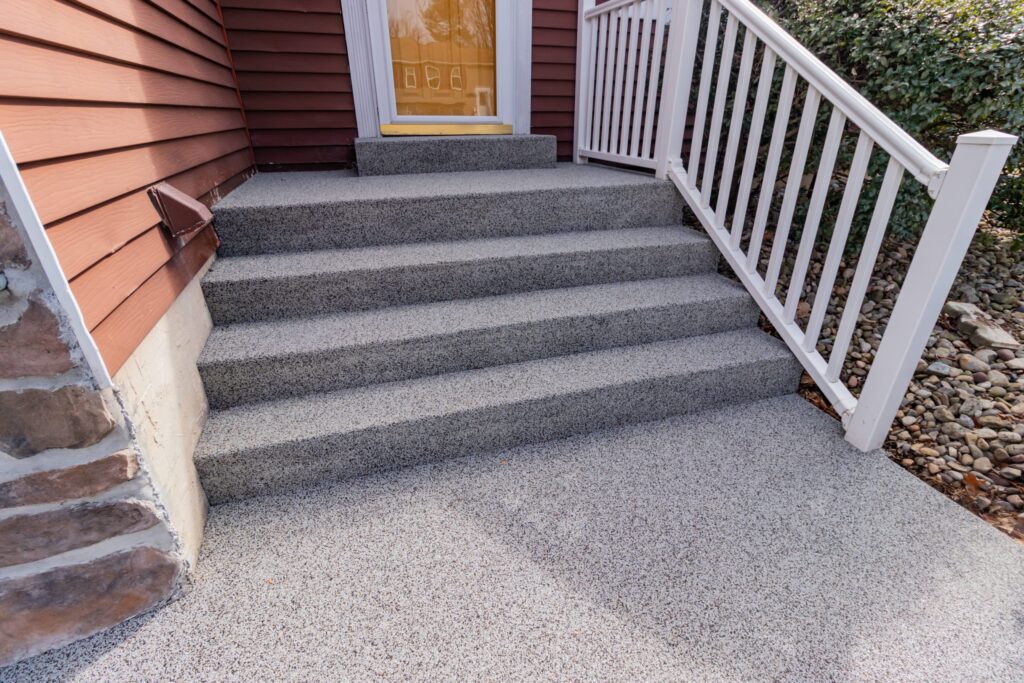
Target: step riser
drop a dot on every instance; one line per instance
(263, 379)
(340, 225)
(242, 474)
(259, 300)
(398, 156)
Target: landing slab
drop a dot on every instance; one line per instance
(747, 544)
(319, 187)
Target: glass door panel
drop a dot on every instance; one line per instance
(444, 57)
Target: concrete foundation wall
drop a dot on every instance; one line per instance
(164, 397)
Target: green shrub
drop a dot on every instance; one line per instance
(938, 68)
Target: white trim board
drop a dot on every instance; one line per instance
(25, 212)
(360, 65)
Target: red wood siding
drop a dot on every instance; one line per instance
(553, 88)
(293, 74)
(101, 99)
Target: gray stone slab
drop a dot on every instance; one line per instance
(263, 447)
(745, 544)
(292, 357)
(270, 286)
(444, 154)
(281, 212)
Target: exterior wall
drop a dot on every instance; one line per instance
(554, 72)
(84, 539)
(293, 74)
(99, 100)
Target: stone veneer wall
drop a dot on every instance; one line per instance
(85, 543)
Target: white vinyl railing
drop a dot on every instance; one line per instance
(622, 42)
(617, 122)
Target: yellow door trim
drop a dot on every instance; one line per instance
(445, 129)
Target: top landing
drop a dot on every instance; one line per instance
(403, 155)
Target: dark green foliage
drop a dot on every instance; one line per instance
(938, 68)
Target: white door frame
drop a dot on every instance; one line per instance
(369, 60)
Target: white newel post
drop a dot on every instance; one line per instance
(962, 198)
(583, 78)
(683, 34)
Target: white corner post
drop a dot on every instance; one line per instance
(962, 198)
(683, 33)
(583, 78)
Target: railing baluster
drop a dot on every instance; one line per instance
(652, 89)
(620, 66)
(818, 195)
(739, 107)
(642, 76)
(865, 267)
(764, 89)
(710, 45)
(599, 68)
(629, 95)
(718, 112)
(609, 86)
(796, 172)
(847, 208)
(771, 167)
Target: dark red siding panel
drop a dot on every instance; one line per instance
(293, 75)
(554, 71)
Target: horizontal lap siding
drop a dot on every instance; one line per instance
(293, 74)
(554, 71)
(104, 98)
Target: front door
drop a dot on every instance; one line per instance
(443, 67)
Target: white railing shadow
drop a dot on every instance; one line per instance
(622, 63)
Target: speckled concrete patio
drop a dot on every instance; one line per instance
(744, 544)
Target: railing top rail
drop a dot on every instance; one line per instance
(609, 6)
(922, 164)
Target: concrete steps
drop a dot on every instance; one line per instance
(292, 357)
(288, 212)
(404, 155)
(368, 323)
(272, 446)
(273, 286)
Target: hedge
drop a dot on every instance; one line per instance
(938, 68)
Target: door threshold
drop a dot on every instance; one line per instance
(445, 129)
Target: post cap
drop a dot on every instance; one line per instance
(987, 137)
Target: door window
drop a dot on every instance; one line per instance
(452, 37)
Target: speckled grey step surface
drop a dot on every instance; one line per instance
(264, 447)
(749, 543)
(271, 286)
(265, 361)
(444, 154)
(283, 212)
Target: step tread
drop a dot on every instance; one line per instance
(306, 263)
(247, 341)
(305, 418)
(319, 187)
